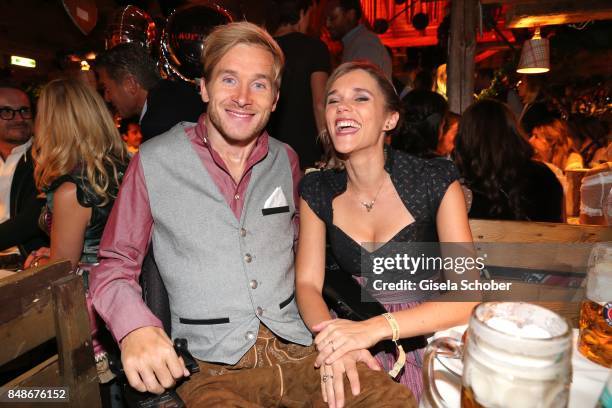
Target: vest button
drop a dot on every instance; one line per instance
(237, 197)
(248, 258)
(259, 311)
(253, 284)
(242, 232)
(250, 336)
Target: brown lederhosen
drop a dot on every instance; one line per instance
(275, 373)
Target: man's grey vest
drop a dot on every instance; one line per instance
(223, 275)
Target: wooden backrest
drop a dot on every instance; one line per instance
(38, 305)
(523, 231)
(571, 257)
(558, 247)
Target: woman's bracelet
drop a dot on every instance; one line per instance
(401, 358)
(394, 325)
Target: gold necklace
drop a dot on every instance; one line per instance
(369, 205)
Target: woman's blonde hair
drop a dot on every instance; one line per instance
(557, 135)
(75, 131)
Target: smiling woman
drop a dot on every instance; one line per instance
(373, 194)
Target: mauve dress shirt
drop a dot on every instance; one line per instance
(116, 293)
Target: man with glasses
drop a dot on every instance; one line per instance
(19, 205)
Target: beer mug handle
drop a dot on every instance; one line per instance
(447, 347)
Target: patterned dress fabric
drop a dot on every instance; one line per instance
(86, 197)
(421, 185)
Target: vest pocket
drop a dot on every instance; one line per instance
(286, 302)
(221, 320)
(275, 210)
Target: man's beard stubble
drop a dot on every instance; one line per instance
(218, 124)
(17, 134)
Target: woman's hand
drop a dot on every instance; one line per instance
(339, 336)
(332, 376)
(37, 257)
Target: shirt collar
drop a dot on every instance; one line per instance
(143, 112)
(21, 149)
(352, 34)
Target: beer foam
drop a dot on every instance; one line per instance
(603, 268)
(599, 288)
(531, 331)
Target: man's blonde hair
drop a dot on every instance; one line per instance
(75, 130)
(225, 37)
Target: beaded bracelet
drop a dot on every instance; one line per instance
(401, 358)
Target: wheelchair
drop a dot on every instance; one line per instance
(155, 297)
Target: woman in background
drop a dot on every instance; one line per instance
(423, 115)
(497, 164)
(553, 145)
(589, 135)
(79, 162)
(448, 133)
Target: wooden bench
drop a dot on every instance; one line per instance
(43, 304)
(537, 258)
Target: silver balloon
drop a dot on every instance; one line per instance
(183, 38)
(131, 24)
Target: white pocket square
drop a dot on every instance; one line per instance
(276, 199)
(276, 203)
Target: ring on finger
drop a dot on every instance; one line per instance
(326, 377)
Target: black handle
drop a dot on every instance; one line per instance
(180, 346)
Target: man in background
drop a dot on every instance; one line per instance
(132, 85)
(359, 43)
(19, 205)
(300, 112)
(131, 135)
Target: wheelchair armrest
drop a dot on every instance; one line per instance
(154, 291)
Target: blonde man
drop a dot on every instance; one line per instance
(219, 200)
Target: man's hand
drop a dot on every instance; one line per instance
(149, 360)
(37, 257)
(332, 376)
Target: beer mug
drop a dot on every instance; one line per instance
(595, 342)
(515, 355)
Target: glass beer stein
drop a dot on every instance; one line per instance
(595, 342)
(515, 355)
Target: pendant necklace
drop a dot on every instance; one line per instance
(369, 205)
